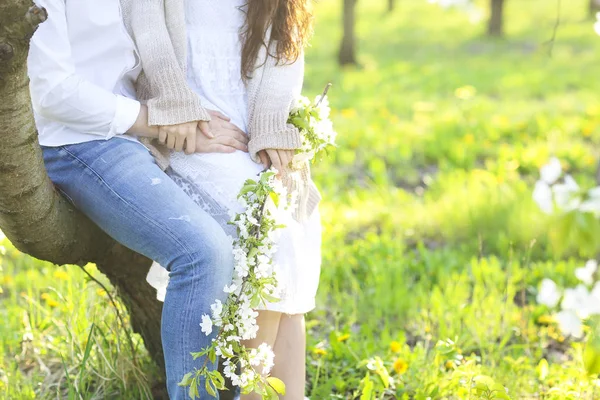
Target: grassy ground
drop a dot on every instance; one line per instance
(433, 248)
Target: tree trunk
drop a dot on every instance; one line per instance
(392, 5)
(36, 219)
(496, 21)
(594, 7)
(347, 54)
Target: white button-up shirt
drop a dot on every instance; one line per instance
(82, 67)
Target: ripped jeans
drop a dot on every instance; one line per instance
(117, 184)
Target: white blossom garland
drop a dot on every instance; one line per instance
(255, 278)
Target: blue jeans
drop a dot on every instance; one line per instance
(117, 184)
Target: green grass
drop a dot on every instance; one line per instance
(430, 233)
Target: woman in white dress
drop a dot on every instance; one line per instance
(219, 52)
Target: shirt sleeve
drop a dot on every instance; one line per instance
(59, 94)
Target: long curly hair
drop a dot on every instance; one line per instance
(291, 22)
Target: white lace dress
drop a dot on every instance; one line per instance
(214, 180)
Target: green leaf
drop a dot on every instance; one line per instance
(212, 356)
(209, 388)
(275, 197)
(186, 380)
(193, 391)
(542, 369)
(277, 384)
(367, 391)
(271, 394)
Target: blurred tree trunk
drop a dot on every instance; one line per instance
(36, 219)
(347, 54)
(594, 7)
(496, 21)
(392, 5)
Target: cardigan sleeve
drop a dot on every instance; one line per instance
(277, 86)
(170, 100)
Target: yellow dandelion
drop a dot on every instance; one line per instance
(400, 366)
(52, 303)
(396, 347)
(343, 338)
(589, 160)
(319, 351)
(588, 128)
(465, 92)
(450, 364)
(7, 280)
(61, 274)
(45, 296)
(101, 292)
(545, 319)
(469, 138)
(348, 113)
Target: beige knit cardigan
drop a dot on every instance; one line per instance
(158, 29)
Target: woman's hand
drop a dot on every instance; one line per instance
(279, 159)
(181, 136)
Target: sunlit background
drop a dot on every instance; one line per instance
(434, 249)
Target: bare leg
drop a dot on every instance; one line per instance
(268, 323)
(290, 355)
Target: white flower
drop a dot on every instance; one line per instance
(551, 172)
(217, 309)
(542, 195)
(586, 273)
(580, 301)
(570, 323)
(565, 194)
(230, 288)
(597, 24)
(548, 295)
(206, 325)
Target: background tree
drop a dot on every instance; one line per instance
(594, 7)
(347, 54)
(496, 21)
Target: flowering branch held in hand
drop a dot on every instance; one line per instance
(255, 278)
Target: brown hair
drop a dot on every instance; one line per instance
(291, 22)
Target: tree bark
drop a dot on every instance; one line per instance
(496, 21)
(36, 219)
(392, 5)
(347, 54)
(594, 7)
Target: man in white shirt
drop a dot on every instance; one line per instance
(83, 65)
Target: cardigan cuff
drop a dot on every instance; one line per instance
(288, 138)
(163, 111)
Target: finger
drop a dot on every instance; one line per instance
(275, 160)
(162, 135)
(264, 160)
(220, 148)
(171, 141)
(284, 156)
(179, 142)
(220, 115)
(190, 142)
(238, 135)
(233, 127)
(205, 129)
(232, 142)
